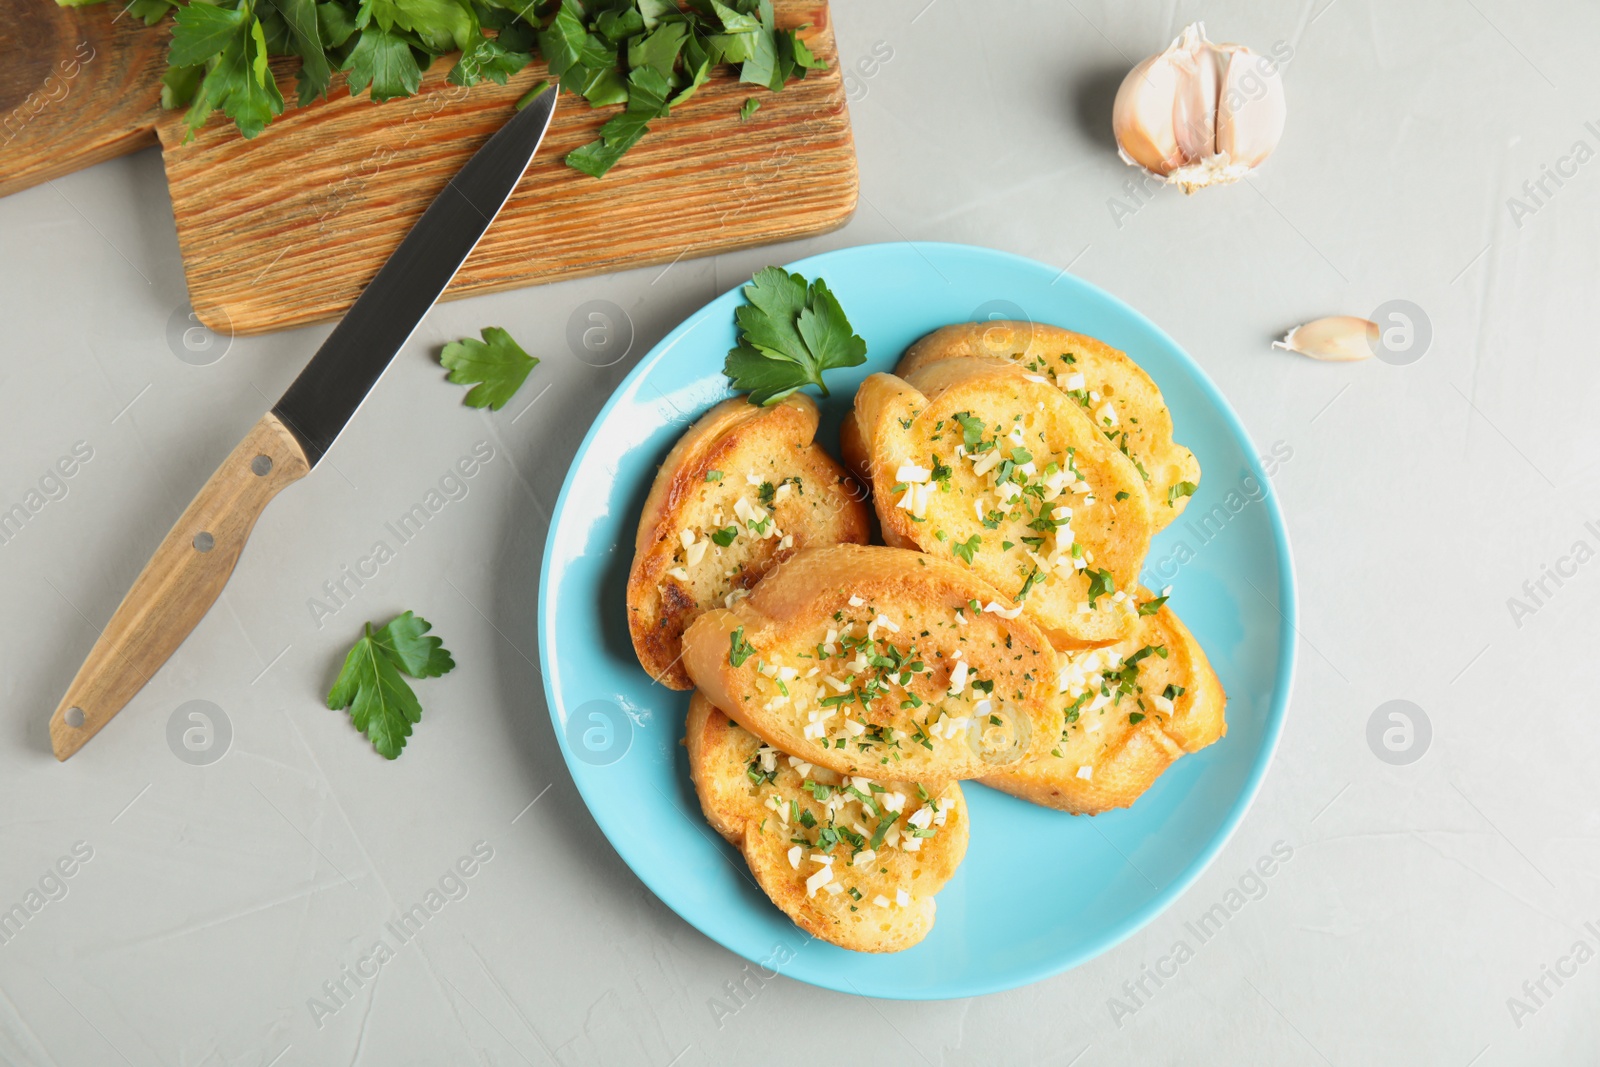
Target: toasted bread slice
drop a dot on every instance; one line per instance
(881, 662)
(851, 860)
(1133, 709)
(985, 462)
(745, 488)
(1121, 398)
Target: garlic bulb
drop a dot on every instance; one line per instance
(1339, 339)
(1200, 113)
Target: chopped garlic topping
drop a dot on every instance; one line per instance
(679, 573)
(855, 602)
(1005, 613)
(958, 679)
(987, 462)
(1086, 772)
(817, 881)
(794, 857)
(697, 552)
(910, 472)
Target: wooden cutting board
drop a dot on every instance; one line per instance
(288, 228)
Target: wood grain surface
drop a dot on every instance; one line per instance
(77, 86)
(288, 228)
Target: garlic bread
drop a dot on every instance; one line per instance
(853, 861)
(1132, 709)
(986, 463)
(1119, 396)
(744, 488)
(881, 662)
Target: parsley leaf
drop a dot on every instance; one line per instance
(382, 60)
(1101, 583)
(647, 99)
(739, 649)
(497, 363)
(372, 681)
(1181, 489)
(748, 109)
(1151, 606)
(968, 548)
(791, 332)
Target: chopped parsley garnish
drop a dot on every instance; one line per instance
(968, 548)
(884, 823)
(741, 649)
(972, 429)
(1101, 583)
(1027, 586)
(1151, 606)
(1181, 489)
(724, 537)
(713, 476)
(1136, 717)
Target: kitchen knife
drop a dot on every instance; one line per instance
(186, 574)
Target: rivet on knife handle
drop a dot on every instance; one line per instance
(179, 584)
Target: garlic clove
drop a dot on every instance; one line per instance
(1194, 109)
(1251, 110)
(1338, 338)
(1199, 113)
(1143, 113)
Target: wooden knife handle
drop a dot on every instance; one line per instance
(179, 584)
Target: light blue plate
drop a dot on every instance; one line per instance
(1040, 891)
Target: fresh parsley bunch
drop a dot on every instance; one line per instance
(648, 55)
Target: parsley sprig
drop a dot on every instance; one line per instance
(372, 682)
(497, 363)
(790, 332)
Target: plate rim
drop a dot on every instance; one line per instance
(1287, 609)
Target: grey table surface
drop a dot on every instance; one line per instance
(1443, 514)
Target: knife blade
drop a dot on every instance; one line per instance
(325, 396)
(194, 561)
